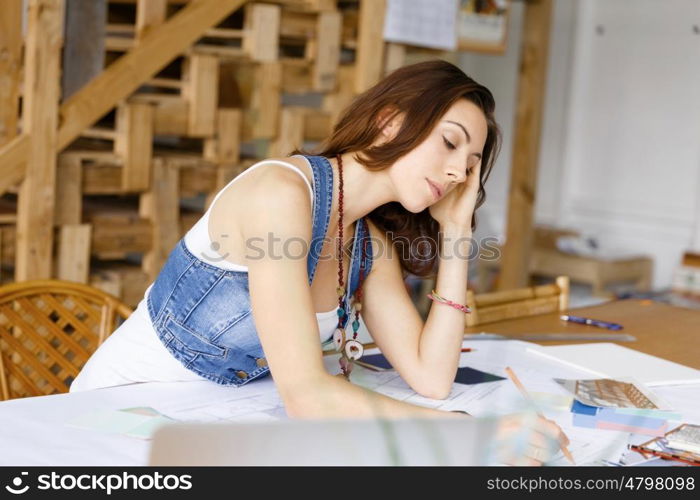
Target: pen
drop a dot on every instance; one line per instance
(592, 322)
(467, 349)
(526, 395)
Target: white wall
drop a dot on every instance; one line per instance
(620, 153)
(500, 74)
(556, 110)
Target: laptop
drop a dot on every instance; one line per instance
(333, 442)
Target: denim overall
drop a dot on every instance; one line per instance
(203, 314)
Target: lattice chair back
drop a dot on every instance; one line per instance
(518, 302)
(48, 330)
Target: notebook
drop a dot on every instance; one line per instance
(609, 360)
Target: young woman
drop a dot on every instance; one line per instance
(297, 248)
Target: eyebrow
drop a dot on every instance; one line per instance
(469, 137)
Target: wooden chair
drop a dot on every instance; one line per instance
(508, 304)
(48, 330)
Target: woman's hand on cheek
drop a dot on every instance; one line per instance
(457, 207)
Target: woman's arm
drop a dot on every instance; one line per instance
(441, 341)
(426, 355)
(283, 310)
(334, 397)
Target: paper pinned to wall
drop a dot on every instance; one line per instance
(424, 23)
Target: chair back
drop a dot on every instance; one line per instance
(519, 302)
(48, 330)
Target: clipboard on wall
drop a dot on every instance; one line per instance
(482, 26)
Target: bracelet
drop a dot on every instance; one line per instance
(436, 298)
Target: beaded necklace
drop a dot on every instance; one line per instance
(351, 349)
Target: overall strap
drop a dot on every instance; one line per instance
(323, 197)
(362, 236)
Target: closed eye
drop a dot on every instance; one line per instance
(449, 144)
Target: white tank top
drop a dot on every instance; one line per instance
(198, 242)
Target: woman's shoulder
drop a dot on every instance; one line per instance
(276, 195)
(273, 180)
(277, 169)
(267, 195)
(265, 182)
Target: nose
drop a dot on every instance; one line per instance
(457, 175)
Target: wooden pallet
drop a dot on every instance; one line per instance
(298, 125)
(223, 89)
(256, 39)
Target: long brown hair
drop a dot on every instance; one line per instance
(424, 92)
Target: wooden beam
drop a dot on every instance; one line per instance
(171, 112)
(156, 49)
(261, 28)
(7, 248)
(317, 125)
(327, 50)
(337, 101)
(69, 194)
(171, 118)
(297, 76)
(291, 133)
(126, 281)
(201, 93)
(13, 161)
(83, 50)
(35, 212)
(394, 56)
(134, 144)
(114, 237)
(226, 145)
(10, 75)
(526, 146)
(266, 100)
(307, 5)
(10, 68)
(299, 26)
(370, 44)
(162, 205)
(74, 252)
(149, 14)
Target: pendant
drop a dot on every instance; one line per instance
(345, 366)
(339, 338)
(353, 349)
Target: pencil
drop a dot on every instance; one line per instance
(521, 387)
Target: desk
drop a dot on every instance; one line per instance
(662, 330)
(35, 431)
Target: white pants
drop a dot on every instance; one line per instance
(132, 353)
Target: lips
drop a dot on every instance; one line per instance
(437, 191)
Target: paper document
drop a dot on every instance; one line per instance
(139, 422)
(607, 360)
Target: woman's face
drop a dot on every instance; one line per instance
(451, 150)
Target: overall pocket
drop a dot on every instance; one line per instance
(191, 341)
